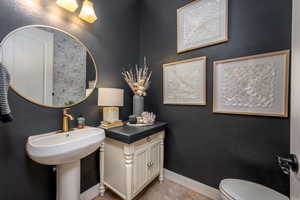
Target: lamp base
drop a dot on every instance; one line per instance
(111, 114)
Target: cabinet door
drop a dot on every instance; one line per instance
(140, 169)
(154, 160)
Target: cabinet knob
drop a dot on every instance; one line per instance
(150, 164)
(149, 139)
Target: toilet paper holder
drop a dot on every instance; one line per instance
(288, 164)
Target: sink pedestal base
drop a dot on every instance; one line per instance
(68, 181)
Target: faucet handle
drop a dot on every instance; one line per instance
(66, 110)
(289, 163)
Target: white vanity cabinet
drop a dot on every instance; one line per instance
(128, 168)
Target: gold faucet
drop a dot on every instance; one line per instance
(66, 118)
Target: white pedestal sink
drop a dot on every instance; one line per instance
(65, 151)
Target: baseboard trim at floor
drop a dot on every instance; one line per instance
(193, 185)
(91, 193)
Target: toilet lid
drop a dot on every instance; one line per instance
(243, 190)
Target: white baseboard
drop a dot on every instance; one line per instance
(193, 185)
(91, 193)
(201, 188)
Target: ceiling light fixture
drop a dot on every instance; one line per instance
(70, 5)
(87, 12)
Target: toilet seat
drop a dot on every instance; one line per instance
(234, 189)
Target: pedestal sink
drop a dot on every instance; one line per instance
(65, 151)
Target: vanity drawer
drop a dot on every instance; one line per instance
(148, 140)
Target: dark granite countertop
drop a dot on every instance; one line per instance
(130, 134)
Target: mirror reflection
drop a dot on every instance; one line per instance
(48, 67)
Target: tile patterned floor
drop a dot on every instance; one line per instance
(168, 190)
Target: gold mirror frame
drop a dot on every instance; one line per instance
(75, 38)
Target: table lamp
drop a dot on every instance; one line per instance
(110, 99)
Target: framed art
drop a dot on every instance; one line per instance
(202, 23)
(253, 85)
(184, 82)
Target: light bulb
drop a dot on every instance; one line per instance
(70, 5)
(87, 12)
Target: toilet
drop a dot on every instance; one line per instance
(234, 189)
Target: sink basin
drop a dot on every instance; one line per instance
(65, 151)
(57, 149)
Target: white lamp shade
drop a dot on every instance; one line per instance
(110, 97)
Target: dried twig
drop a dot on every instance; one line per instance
(138, 79)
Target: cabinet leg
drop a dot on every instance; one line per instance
(161, 177)
(102, 187)
(128, 155)
(161, 167)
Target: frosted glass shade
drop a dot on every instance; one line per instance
(87, 12)
(110, 97)
(70, 5)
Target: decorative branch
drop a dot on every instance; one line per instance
(138, 79)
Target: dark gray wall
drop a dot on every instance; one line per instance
(199, 144)
(208, 147)
(113, 42)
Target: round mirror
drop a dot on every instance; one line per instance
(48, 66)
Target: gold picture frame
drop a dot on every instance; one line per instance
(285, 84)
(226, 29)
(203, 101)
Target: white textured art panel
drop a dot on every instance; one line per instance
(255, 85)
(202, 23)
(184, 82)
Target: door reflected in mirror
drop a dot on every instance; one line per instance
(48, 66)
